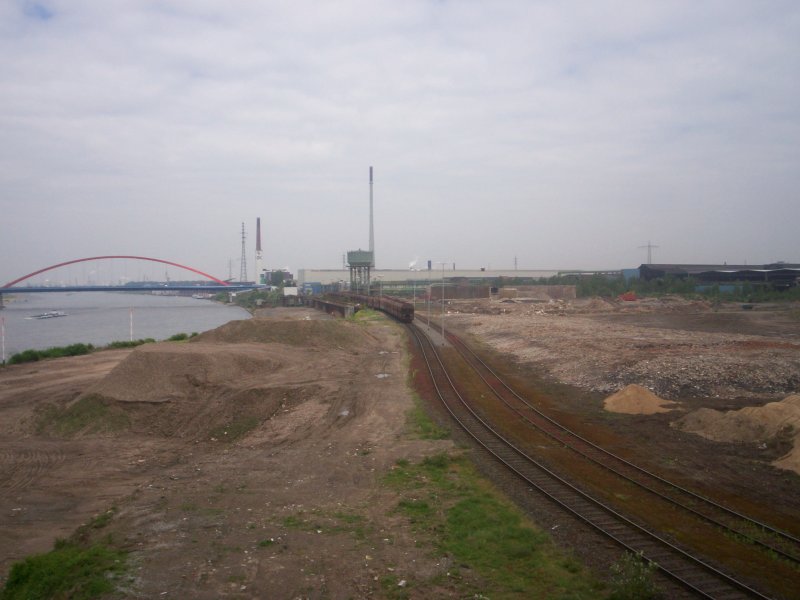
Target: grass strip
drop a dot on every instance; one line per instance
(464, 518)
(67, 571)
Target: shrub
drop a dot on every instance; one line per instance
(632, 579)
(130, 344)
(55, 352)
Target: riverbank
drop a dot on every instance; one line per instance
(100, 318)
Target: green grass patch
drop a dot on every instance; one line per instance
(235, 429)
(421, 425)
(331, 523)
(68, 571)
(90, 414)
(462, 516)
(366, 315)
(295, 522)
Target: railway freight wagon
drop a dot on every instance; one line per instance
(397, 307)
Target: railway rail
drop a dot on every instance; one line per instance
(767, 537)
(680, 564)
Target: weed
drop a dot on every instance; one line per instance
(235, 429)
(294, 522)
(394, 588)
(67, 571)
(91, 413)
(448, 504)
(365, 315)
(99, 521)
(632, 579)
(417, 510)
(421, 424)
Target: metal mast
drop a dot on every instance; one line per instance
(371, 229)
(243, 271)
(649, 247)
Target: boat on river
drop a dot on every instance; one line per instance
(51, 314)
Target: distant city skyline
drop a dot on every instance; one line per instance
(555, 135)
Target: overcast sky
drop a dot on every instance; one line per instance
(567, 134)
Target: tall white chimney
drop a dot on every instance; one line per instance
(259, 253)
(371, 226)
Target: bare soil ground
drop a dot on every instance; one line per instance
(656, 363)
(242, 464)
(245, 463)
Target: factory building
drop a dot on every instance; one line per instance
(313, 279)
(777, 275)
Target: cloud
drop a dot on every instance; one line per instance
(572, 132)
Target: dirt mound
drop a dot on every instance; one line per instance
(203, 390)
(169, 371)
(637, 400)
(314, 334)
(597, 304)
(750, 424)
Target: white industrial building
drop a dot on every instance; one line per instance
(331, 276)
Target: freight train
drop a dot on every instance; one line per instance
(400, 309)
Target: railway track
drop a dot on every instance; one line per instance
(682, 565)
(765, 536)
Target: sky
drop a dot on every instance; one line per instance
(562, 135)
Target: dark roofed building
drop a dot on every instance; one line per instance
(778, 275)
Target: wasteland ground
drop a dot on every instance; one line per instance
(247, 463)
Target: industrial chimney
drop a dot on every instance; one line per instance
(259, 255)
(371, 226)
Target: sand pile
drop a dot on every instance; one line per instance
(637, 400)
(600, 304)
(750, 424)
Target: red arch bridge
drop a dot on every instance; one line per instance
(213, 285)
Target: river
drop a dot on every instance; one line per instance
(102, 317)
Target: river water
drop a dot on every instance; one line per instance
(102, 317)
